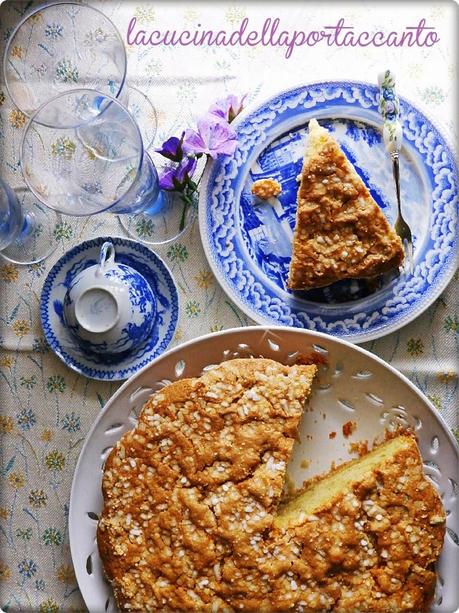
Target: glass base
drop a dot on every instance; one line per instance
(162, 222)
(144, 114)
(38, 237)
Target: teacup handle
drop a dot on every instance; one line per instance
(106, 258)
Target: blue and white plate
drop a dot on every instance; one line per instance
(249, 248)
(103, 367)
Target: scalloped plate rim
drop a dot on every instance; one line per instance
(383, 329)
(74, 525)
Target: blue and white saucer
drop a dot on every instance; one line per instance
(249, 247)
(61, 341)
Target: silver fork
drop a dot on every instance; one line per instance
(389, 107)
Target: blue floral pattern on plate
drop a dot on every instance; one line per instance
(102, 366)
(249, 247)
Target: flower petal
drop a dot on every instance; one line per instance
(228, 108)
(186, 169)
(171, 149)
(193, 142)
(166, 180)
(222, 139)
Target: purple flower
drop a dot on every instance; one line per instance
(213, 136)
(172, 148)
(175, 178)
(228, 108)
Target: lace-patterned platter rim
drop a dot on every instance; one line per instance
(352, 384)
(157, 275)
(425, 151)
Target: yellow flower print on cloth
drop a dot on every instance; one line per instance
(235, 14)
(17, 118)
(55, 460)
(447, 377)
(6, 361)
(21, 327)
(17, 51)
(47, 435)
(5, 572)
(9, 273)
(66, 574)
(63, 148)
(16, 480)
(49, 606)
(4, 513)
(204, 279)
(415, 346)
(145, 14)
(6, 424)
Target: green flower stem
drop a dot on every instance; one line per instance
(186, 203)
(187, 192)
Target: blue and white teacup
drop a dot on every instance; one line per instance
(109, 307)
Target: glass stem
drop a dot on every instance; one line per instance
(12, 220)
(143, 194)
(28, 226)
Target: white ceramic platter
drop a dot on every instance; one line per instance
(353, 385)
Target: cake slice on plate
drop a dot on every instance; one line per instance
(369, 533)
(340, 232)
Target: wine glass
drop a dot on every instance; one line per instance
(82, 153)
(67, 45)
(28, 231)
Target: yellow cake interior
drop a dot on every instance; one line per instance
(322, 492)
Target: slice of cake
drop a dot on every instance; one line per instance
(369, 533)
(340, 232)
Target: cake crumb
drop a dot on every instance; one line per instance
(266, 188)
(360, 448)
(349, 428)
(332, 435)
(305, 464)
(311, 358)
(289, 487)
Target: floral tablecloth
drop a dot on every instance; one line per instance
(46, 409)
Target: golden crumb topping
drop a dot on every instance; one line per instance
(340, 231)
(190, 492)
(266, 188)
(191, 496)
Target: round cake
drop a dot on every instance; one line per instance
(191, 495)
